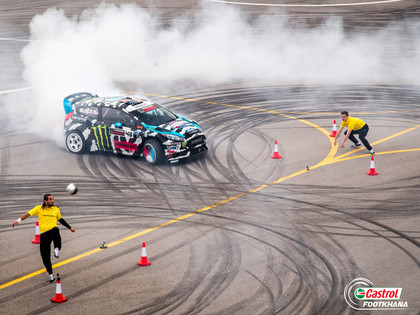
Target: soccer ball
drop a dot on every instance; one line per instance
(71, 189)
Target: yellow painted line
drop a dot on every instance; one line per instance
(33, 274)
(181, 218)
(271, 111)
(329, 159)
(369, 155)
(334, 148)
(377, 142)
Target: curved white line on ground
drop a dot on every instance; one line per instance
(21, 89)
(306, 5)
(16, 90)
(15, 39)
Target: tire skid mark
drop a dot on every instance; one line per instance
(352, 215)
(267, 291)
(322, 262)
(302, 291)
(107, 280)
(195, 193)
(82, 165)
(227, 270)
(161, 188)
(218, 185)
(295, 244)
(4, 144)
(358, 225)
(336, 285)
(184, 288)
(310, 271)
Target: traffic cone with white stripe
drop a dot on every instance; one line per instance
(372, 170)
(276, 154)
(59, 297)
(143, 260)
(37, 239)
(334, 130)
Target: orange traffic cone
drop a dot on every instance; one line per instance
(36, 239)
(276, 154)
(143, 261)
(334, 130)
(59, 297)
(372, 170)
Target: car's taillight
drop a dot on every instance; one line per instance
(68, 116)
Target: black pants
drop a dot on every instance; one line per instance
(45, 246)
(362, 136)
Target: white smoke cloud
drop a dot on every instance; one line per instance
(109, 44)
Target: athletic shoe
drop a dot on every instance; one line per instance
(355, 145)
(56, 252)
(372, 152)
(52, 279)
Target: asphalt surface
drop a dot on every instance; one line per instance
(233, 231)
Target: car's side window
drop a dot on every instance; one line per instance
(127, 119)
(112, 116)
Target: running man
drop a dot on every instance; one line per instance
(354, 126)
(48, 214)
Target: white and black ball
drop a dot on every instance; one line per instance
(71, 189)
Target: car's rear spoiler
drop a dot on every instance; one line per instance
(73, 98)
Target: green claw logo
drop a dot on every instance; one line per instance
(100, 128)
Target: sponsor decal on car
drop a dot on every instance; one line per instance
(117, 132)
(148, 109)
(88, 111)
(125, 145)
(101, 130)
(74, 126)
(188, 129)
(178, 124)
(86, 133)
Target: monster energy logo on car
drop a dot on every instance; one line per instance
(101, 129)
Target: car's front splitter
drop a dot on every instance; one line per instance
(175, 157)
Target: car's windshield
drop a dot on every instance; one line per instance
(154, 115)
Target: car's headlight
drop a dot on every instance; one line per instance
(174, 137)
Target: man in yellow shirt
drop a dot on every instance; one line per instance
(48, 214)
(354, 126)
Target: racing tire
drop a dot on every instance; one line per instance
(75, 142)
(153, 151)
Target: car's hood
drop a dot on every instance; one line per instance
(182, 126)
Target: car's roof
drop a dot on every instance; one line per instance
(127, 103)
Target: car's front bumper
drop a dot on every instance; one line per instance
(174, 156)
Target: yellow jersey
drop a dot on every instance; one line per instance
(47, 217)
(353, 123)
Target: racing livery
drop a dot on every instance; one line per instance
(130, 126)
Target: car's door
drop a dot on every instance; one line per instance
(120, 127)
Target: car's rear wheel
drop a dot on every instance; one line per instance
(75, 142)
(153, 151)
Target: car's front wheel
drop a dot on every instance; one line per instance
(75, 142)
(153, 151)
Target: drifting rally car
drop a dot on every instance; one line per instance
(130, 126)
